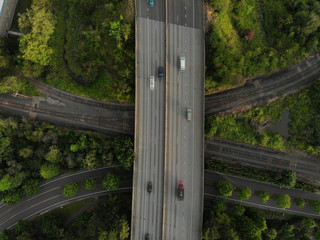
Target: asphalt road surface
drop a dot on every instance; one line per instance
(50, 196)
(243, 155)
(184, 139)
(149, 121)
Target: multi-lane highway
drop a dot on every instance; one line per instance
(149, 121)
(184, 139)
(168, 147)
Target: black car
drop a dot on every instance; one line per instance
(160, 72)
(149, 187)
(147, 236)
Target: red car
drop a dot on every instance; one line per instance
(180, 191)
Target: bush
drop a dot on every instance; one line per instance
(219, 205)
(90, 184)
(111, 182)
(49, 170)
(224, 188)
(263, 195)
(123, 150)
(315, 205)
(244, 193)
(283, 201)
(70, 189)
(31, 187)
(299, 202)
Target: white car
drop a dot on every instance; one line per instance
(152, 82)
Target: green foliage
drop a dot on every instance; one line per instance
(5, 234)
(287, 178)
(263, 195)
(315, 205)
(287, 231)
(224, 188)
(299, 202)
(9, 182)
(31, 187)
(50, 225)
(14, 84)
(270, 234)
(53, 155)
(317, 234)
(11, 197)
(237, 210)
(49, 170)
(244, 193)
(283, 201)
(90, 184)
(38, 23)
(111, 182)
(123, 150)
(248, 227)
(219, 205)
(70, 189)
(286, 33)
(22, 226)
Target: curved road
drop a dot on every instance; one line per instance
(265, 89)
(50, 195)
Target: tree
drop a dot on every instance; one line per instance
(299, 202)
(224, 188)
(270, 234)
(90, 184)
(283, 201)
(53, 155)
(22, 226)
(31, 187)
(263, 195)
(9, 182)
(11, 197)
(50, 225)
(5, 234)
(287, 231)
(219, 205)
(287, 178)
(49, 170)
(25, 152)
(248, 227)
(111, 182)
(70, 189)
(244, 194)
(237, 210)
(123, 151)
(38, 23)
(315, 205)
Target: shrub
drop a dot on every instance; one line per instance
(123, 150)
(315, 205)
(299, 202)
(263, 195)
(111, 182)
(225, 188)
(70, 189)
(90, 184)
(49, 170)
(244, 193)
(283, 201)
(219, 205)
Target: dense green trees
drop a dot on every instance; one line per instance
(111, 182)
(284, 33)
(252, 126)
(123, 151)
(263, 195)
(283, 201)
(244, 193)
(315, 206)
(224, 188)
(70, 189)
(32, 151)
(90, 184)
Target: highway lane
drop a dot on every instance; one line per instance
(50, 195)
(149, 122)
(184, 139)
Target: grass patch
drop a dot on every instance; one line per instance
(65, 212)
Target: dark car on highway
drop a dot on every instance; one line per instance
(180, 191)
(160, 72)
(149, 187)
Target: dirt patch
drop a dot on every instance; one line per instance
(210, 16)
